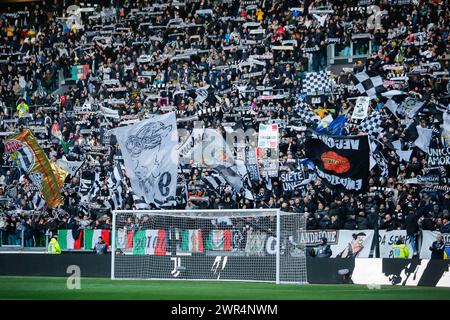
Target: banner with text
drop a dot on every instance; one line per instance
(340, 161)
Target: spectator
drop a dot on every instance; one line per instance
(361, 221)
(438, 248)
(100, 246)
(445, 228)
(412, 229)
(324, 250)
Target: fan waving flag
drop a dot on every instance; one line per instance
(340, 161)
(369, 86)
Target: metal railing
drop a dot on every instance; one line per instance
(18, 240)
(355, 50)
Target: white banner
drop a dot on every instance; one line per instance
(361, 108)
(110, 113)
(343, 243)
(428, 237)
(268, 136)
(149, 150)
(388, 239)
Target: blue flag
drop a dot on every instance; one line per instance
(335, 127)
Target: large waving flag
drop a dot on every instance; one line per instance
(149, 150)
(52, 176)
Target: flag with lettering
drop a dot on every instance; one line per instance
(340, 162)
(149, 242)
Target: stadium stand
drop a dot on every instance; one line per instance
(71, 73)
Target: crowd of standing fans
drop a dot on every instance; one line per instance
(148, 57)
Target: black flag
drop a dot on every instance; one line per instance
(340, 161)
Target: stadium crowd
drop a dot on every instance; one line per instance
(137, 66)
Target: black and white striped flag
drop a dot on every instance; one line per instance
(202, 94)
(115, 177)
(214, 181)
(116, 200)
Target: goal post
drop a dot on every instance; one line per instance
(228, 245)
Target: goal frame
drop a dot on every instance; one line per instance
(275, 212)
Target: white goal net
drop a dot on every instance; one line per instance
(239, 245)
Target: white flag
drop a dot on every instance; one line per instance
(424, 139)
(70, 166)
(361, 108)
(392, 106)
(149, 151)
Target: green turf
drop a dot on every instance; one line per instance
(101, 288)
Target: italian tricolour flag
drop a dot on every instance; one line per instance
(91, 237)
(219, 240)
(124, 239)
(152, 242)
(192, 241)
(66, 240)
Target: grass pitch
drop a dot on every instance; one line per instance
(102, 288)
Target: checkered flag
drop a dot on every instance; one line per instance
(305, 114)
(372, 124)
(368, 86)
(317, 83)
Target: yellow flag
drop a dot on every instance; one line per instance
(60, 174)
(37, 162)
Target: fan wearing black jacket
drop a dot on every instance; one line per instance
(324, 250)
(437, 248)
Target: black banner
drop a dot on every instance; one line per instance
(439, 157)
(340, 161)
(251, 162)
(292, 180)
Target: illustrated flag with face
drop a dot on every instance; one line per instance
(149, 151)
(340, 161)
